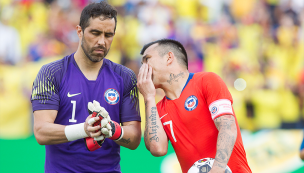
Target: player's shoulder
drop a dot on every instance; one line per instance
(206, 78)
(55, 67)
(206, 75)
(121, 70)
(53, 72)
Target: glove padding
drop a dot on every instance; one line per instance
(109, 129)
(90, 143)
(97, 111)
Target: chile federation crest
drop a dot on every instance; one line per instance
(111, 96)
(191, 103)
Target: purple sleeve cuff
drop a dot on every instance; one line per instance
(39, 106)
(131, 118)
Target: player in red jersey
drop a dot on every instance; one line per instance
(196, 114)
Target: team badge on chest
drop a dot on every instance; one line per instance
(191, 103)
(111, 96)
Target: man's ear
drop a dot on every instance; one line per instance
(170, 58)
(79, 31)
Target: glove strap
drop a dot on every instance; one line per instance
(117, 131)
(91, 144)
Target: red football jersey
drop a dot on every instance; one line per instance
(188, 121)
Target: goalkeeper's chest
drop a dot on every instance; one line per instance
(76, 93)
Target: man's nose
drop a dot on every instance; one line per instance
(101, 40)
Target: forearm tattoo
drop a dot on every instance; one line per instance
(175, 77)
(151, 124)
(225, 140)
(146, 125)
(126, 141)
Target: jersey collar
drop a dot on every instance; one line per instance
(76, 65)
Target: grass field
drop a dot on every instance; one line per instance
(26, 155)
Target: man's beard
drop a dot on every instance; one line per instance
(89, 51)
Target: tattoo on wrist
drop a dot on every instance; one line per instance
(146, 106)
(175, 77)
(146, 125)
(222, 156)
(126, 141)
(220, 165)
(153, 126)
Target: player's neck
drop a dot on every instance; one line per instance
(175, 83)
(89, 69)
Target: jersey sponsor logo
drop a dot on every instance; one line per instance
(191, 103)
(111, 96)
(214, 110)
(72, 95)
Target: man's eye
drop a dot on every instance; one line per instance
(109, 35)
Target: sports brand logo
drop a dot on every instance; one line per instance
(191, 103)
(214, 110)
(72, 95)
(111, 96)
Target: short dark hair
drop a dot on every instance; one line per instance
(168, 45)
(95, 10)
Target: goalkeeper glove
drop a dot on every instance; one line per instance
(109, 129)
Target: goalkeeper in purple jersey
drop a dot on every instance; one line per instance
(61, 93)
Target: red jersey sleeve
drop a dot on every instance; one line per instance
(217, 95)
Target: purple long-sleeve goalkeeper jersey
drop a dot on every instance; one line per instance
(61, 86)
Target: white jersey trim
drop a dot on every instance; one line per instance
(220, 107)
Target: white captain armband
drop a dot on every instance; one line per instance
(220, 107)
(74, 132)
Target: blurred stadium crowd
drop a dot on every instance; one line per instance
(260, 41)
